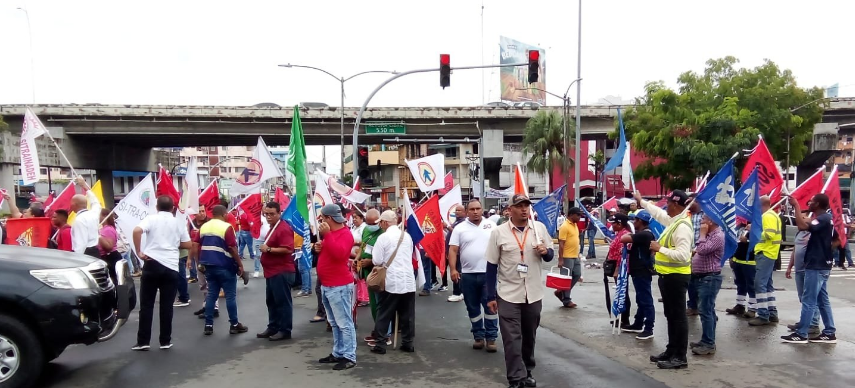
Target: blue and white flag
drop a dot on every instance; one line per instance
(656, 228)
(617, 158)
(717, 202)
(622, 284)
(547, 209)
(748, 208)
(411, 223)
(599, 224)
(295, 220)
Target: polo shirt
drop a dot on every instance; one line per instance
(277, 263)
(818, 254)
(164, 233)
(333, 269)
(569, 233)
(472, 241)
(503, 250)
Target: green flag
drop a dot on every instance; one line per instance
(297, 164)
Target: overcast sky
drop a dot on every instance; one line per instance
(225, 53)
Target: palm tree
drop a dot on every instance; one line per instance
(543, 142)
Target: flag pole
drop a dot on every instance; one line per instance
(531, 209)
(73, 171)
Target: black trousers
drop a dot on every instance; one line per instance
(390, 304)
(156, 277)
(518, 324)
(280, 307)
(673, 288)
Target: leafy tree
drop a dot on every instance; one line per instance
(718, 113)
(543, 142)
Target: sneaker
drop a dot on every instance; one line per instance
(794, 338)
(824, 339)
(167, 346)
(181, 304)
(632, 328)
(209, 329)
(329, 359)
(216, 314)
(443, 289)
(455, 298)
(645, 335)
(238, 328)
(703, 350)
(344, 364)
(141, 348)
(255, 274)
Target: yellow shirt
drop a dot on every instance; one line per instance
(770, 242)
(569, 233)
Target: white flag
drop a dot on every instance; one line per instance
(448, 202)
(260, 168)
(138, 204)
(345, 191)
(322, 193)
(626, 169)
(189, 203)
(428, 172)
(32, 129)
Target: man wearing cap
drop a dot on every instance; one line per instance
(568, 247)
(697, 215)
(337, 285)
(515, 254)
(673, 261)
(641, 273)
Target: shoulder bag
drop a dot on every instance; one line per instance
(376, 280)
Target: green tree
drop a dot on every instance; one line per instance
(718, 113)
(543, 142)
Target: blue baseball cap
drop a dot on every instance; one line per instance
(643, 215)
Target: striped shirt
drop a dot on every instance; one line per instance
(708, 253)
(696, 225)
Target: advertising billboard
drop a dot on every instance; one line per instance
(514, 80)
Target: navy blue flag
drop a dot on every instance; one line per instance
(617, 158)
(717, 202)
(748, 208)
(547, 209)
(599, 224)
(619, 304)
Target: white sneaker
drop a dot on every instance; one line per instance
(165, 347)
(181, 304)
(455, 298)
(141, 348)
(255, 274)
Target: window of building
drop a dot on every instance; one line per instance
(43, 171)
(452, 170)
(452, 152)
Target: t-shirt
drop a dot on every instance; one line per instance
(569, 233)
(245, 223)
(333, 269)
(110, 234)
(63, 238)
(277, 263)
(471, 241)
(163, 234)
(818, 253)
(799, 250)
(640, 258)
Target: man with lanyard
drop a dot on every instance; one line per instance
(569, 250)
(765, 254)
(697, 215)
(370, 233)
(87, 226)
(280, 273)
(515, 254)
(673, 262)
(469, 241)
(459, 217)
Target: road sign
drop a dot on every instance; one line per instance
(385, 129)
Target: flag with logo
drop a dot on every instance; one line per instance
(430, 219)
(769, 176)
(30, 167)
(835, 203)
(62, 201)
(548, 209)
(28, 232)
(621, 285)
(137, 205)
(810, 187)
(427, 172)
(260, 168)
(322, 193)
(718, 203)
(449, 202)
(165, 186)
(347, 193)
(251, 206)
(210, 197)
(599, 224)
(448, 184)
(748, 208)
(292, 216)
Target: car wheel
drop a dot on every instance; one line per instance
(21, 354)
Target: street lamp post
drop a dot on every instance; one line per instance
(341, 80)
(577, 166)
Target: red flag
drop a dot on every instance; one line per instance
(62, 201)
(51, 197)
(28, 232)
(832, 189)
(449, 184)
(210, 197)
(282, 199)
(166, 187)
(519, 183)
(612, 203)
(251, 206)
(767, 172)
(808, 189)
(661, 203)
(430, 219)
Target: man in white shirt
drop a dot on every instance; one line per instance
(165, 234)
(87, 226)
(400, 294)
(469, 243)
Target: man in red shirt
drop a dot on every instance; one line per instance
(245, 236)
(337, 285)
(280, 273)
(62, 238)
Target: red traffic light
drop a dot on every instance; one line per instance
(363, 152)
(533, 55)
(444, 60)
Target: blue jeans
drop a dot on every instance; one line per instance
(280, 306)
(743, 276)
(815, 297)
(193, 273)
(763, 287)
(592, 253)
(847, 252)
(256, 249)
(245, 241)
(338, 301)
(800, 288)
(183, 293)
(129, 259)
(304, 262)
(484, 325)
(225, 279)
(427, 265)
(708, 287)
(692, 295)
(645, 313)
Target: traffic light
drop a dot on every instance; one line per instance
(362, 163)
(444, 70)
(533, 65)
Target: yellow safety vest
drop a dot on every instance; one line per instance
(665, 265)
(772, 228)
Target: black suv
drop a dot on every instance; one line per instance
(50, 299)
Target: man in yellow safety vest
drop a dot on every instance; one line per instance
(765, 254)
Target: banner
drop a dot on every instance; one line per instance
(30, 166)
(426, 172)
(748, 208)
(808, 189)
(618, 156)
(832, 189)
(599, 224)
(136, 206)
(28, 232)
(210, 197)
(346, 192)
(498, 194)
(769, 175)
(514, 79)
(430, 219)
(448, 182)
(448, 203)
(282, 199)
(548, 209)
(260, 168)
(621, 286)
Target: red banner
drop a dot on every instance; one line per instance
(449, 184)
(62, 201)
(166, 187)
(832, 189)
(210, 197)
(767, 172)
(808, 189)
(251, 206)
(28, 232)
(430, 219)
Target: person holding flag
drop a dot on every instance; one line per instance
(765, 254)
(86, 228)
(280, 273)
(640, 270)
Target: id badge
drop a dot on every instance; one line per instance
(369, 249)
(522, 269)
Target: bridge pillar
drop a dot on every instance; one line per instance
(106, 178)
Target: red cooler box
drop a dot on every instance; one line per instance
(559, 281)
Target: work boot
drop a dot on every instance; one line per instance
(491, 346)
(673, 363)
(758, 322)
(749, 314)
(736, 310)
(660, 357)
(478, 344)
(691, 312)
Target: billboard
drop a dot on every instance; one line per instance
(514, 80)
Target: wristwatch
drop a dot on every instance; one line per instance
(268, 249)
